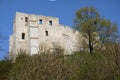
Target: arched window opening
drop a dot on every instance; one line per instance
(46, 32)
(23, 35)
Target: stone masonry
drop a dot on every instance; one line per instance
(31, 32)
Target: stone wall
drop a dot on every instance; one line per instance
(32, 31)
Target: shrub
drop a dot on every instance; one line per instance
(5, 66)
(39, 67)
(101, 65)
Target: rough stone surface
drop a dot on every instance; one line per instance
(40, 32)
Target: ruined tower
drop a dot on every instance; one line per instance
(33, 31)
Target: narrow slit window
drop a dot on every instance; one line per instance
(50, 22)
(40, 21)
(23, 35)
(26, 19)
(46, 33)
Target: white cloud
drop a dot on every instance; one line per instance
(52, 0)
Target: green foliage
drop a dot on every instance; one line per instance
(102, 65)
(5, 66)
(86, 21)
(39, 67)
(93, 67)
(92, 26)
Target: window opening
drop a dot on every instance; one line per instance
(50, 22)
(26, 19)
(46, 32)
(23, 35)
(40, 21)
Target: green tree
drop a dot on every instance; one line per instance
(94, 28)
(86, 22)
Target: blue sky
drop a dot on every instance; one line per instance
(63, 9)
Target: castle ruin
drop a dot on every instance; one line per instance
(30, 32)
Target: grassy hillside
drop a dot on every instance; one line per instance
(101, 65)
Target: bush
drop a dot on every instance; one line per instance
(39, 67)
(5, 66)
(101, 65)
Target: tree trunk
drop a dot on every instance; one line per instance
(90, 44)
